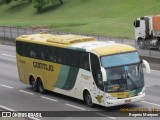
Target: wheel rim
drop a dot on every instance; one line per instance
(140, 44)
(33, 85)
(40, 87)
(159, 47)
(88, 100)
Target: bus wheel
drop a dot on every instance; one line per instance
(88, 99)
(40, 87)
(34, 85)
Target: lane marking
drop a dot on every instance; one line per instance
(151, 103)
(75, 106)
(30, 93)
(8, 55)
(155, 70)
(7, 46)
(6, 108)
(112, 118)
(47, 98)
(6, 86)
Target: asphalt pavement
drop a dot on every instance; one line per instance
(17, 96)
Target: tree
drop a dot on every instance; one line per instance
(61, 1)
(40, 4)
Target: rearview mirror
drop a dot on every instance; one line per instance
(147, 66)
(104, 75)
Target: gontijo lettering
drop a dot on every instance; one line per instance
(43, 66)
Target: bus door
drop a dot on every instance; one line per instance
(98, 89)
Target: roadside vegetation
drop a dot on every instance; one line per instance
(99, 17)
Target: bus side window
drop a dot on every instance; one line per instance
(50, 53)
(61, 55)
(21, 48)
(84, 60)
(32, 50)
(72, 58)
(41, 52)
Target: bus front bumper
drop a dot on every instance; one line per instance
(117, 102)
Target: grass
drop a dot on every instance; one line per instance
(99, 17)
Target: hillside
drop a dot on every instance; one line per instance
(99, 17)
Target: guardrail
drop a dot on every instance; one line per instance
(11, 33)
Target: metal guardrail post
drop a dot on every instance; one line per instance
(25, 31)
(149, 52)
(10, 32)
(122, 40)
(17, 32)
(4, 32)
(135, 42)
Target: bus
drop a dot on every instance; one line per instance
(98, 72)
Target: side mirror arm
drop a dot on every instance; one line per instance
(147, 66)
(104, 75)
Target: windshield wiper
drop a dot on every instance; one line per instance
(132, 81)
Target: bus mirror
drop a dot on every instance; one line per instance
(104, 75)
(147, 66)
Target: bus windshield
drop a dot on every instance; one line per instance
(125, 78)
(120, 59)
(124, 72)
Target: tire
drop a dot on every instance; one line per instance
(141, 44)
(34, 86)
(88, 99)
(158, 46)
(40, 87)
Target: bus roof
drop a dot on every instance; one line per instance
(77, 42)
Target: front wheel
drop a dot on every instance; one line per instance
(88, 99)
(141, 44)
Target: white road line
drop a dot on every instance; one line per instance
(9, 109)
(155, 70)
(75, 106)
(47, 98)
(151, 103)
(8, 55)
(6, 86)
(112, 118)
(6, 108)
(30, 93)
(8, 46)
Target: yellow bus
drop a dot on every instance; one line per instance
(103, 73)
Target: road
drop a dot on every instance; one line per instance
(17, 96)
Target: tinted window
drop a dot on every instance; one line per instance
(61, 56)
(137, 23)
(72, 58)
(31, 50)
(40, 51)
(84, 60)
(50, 53)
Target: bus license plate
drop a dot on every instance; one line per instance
(127, 101)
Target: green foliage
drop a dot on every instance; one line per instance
(99, 17)
(40, 4)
